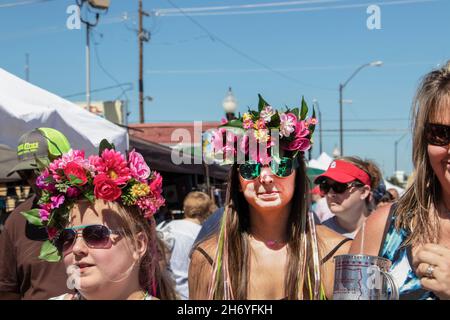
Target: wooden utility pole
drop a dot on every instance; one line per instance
(141, 66)
(143, 36)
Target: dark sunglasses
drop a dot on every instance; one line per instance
(95, 236)
(326, 185)
(282, 168)
(437, 134)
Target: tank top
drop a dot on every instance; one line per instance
(407, 281)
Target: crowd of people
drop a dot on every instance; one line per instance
(89, 231)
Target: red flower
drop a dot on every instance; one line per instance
(105, 188)
(74, 171)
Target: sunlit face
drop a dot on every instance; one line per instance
(351, 200)
(102, 269)
(268, 192)
(440, 155)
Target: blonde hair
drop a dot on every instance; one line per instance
(153, 277)
(197, 205)
(415, 211)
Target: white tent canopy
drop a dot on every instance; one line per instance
(24, 106)
(322, 162)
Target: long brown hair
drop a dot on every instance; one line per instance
(153, 276)
(234, 265)
(416, 208)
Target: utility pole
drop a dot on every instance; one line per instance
(143, 35)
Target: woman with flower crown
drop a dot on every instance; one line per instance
(98, 213)
(267, 246)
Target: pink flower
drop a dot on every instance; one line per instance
(287, 125)
(301, 141)
(44, 214)
(223, 121)
(57, 201)
(73, 192)
(149, 205)
(42, 181)
(267, 114)
(156, 184)
(138, 168)
(105, 188)
(112, 164)
(52, 233)
(248, 124)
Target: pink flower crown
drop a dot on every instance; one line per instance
(292, 126)
(108, 176)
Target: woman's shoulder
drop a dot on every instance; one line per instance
(374, 230)
(333, 241)
(206, 249)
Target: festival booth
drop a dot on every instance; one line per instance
(23, 107)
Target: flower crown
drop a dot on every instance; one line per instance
(292, 126)
(108, 176)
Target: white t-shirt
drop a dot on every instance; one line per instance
(179, 235)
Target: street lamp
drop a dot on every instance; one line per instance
(99, 5)
(341, 89)
(395, 148)
(229, 105)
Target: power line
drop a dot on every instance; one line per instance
(243, 6)
(22, 3)
(243, 54)
(310, 9)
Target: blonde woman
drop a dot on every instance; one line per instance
(267, 246)
(98, 214)
(415, 233)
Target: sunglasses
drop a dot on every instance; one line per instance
(282, 168)
(326, 185)
(95, 236)
(437, 134)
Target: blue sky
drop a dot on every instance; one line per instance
(306, 49)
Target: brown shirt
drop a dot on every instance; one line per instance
(22, 274)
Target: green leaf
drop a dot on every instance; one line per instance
(74, 180)
(104, 144)
(33, 217)
(295, 111)
(235, 123)
(304, 111)
(49, 252)
(261, 103)
(90, 196)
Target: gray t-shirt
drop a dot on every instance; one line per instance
(333, 225)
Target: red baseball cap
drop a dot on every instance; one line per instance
(344, 172)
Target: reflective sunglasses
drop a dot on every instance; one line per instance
(437, 134)
(282, 168)
(95, 236)
(326, 185)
